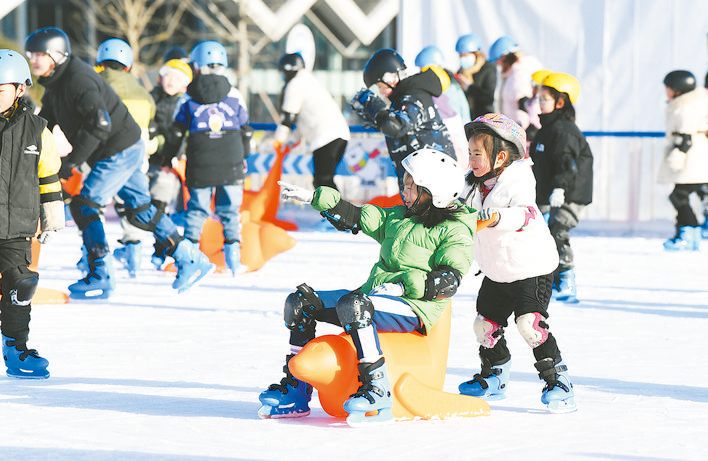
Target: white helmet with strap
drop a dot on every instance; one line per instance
(438, 173)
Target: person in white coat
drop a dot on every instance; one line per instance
(517, 256)
(307, 106)
(685, 162)
(516, 87)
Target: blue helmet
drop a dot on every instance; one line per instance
(469, 43)
(14, 68)
(430, 55)
(207, 53)
(502, 46)
(115, 49)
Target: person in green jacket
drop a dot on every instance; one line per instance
(426, 249)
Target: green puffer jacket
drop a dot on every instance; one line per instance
(409, 251)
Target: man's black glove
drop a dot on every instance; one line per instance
(367, 105)
(65, 171)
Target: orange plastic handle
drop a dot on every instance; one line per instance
(482, 224)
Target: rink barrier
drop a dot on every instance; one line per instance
(300, 163)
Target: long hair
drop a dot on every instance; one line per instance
(425, 213)
(567, 112)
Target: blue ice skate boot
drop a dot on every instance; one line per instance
(130, 256)
(289, 399)
(374, 394)
(490, 383)
(82, 264)
(687, 239)
(22, 362)
(566, 289)
(704, 229)
(232, 256)
(558, 393)
(192, 265)
(99, 283)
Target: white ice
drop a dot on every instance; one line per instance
(150, 375)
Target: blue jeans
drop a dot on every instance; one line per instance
(227, 204)
(121, 175)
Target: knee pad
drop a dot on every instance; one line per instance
(19, 285)
(131, 215)
(302, 308)
(533, 328)
(79, 213)
(487, 332)
(355, 311)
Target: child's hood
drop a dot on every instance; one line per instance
(209, 89)
(427, 82)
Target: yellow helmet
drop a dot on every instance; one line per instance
(563, 83)
(540, 75)
(442, 75)
(179, 65)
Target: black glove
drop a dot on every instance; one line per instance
(65, 171)
(522, 103)
(367, 105)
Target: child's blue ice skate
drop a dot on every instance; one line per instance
(289, 399)
(22, 362)
(566, 290)
(130, 256)
(232, 256)
(192, 265)
(82, 264)
(687, 239)
(558, 393)
(704, 229)
(490, 383)
(374, 394)
(98, 284)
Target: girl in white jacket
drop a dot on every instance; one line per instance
(517, 255)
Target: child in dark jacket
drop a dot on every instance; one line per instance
(214, 113)
(30, 190)
(562, 165)
(412, 121)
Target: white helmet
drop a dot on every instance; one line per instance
(438, 173)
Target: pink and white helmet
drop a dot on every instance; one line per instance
(503, 126)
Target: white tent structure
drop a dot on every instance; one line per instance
(619, 50)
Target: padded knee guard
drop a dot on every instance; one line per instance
(487, 332)
(131, 215)
(302, 308)
(19, 285)
(355, 311)
(533, 328)
(82, 216)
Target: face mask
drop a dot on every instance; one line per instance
(467, 61)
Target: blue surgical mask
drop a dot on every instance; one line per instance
(467, 61)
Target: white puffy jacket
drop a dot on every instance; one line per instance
(319, 120)
(520, 245)
(686, 114)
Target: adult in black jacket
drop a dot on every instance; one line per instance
(412, 121)
(103, 134)
(563, 170)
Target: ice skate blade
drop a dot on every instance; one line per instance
(359, 418)
(181, 288)
(90, 294)
(270, 412)
(27, 374)
(562, 406)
